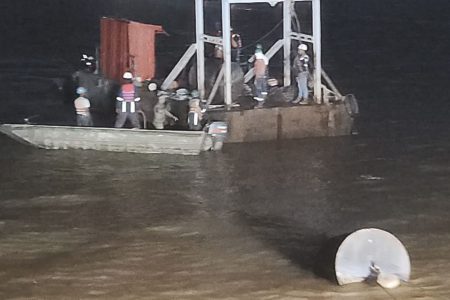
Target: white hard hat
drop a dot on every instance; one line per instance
(152, 86)
(81, 90)
(302, 47)
(127, 75)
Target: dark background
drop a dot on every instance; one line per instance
(393, 55)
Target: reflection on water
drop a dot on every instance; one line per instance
(247, 223)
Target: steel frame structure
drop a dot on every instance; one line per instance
(225, 41)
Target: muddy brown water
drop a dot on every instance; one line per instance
(247, 223)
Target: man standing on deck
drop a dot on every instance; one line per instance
(236, 45)
(82, 106)
(260, 69)
(302, 64)
(126, 103)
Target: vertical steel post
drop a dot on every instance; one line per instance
(226, 40)
(287, 29)
(317, 51)
(199, 25)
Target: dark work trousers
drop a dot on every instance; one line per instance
(261, 87)
(302, 83)
(84, 120)
(123, 116)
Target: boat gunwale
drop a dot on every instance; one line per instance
(13, 131)
(8, 128)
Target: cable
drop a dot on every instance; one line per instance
(263, 37)
(296, 27)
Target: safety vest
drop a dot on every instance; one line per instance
(128, 98)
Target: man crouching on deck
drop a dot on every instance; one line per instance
(126, 103)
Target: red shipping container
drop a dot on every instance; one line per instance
(127, 46)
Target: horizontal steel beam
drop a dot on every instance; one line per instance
(271, 2)
(302, 37)
(213, 39)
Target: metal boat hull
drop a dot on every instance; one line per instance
(110, 139)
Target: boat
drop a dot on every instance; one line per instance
(118, 139)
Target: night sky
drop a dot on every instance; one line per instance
(383, 51)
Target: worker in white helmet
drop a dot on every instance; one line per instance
(161, 112)
(148, 94)
(236, 46)
(260, 69)
(82, 108)
(302, 65)
(126, 103)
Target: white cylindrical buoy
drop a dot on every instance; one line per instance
(372, 253)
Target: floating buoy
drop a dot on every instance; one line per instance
(372, 254)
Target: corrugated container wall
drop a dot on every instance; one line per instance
(127, 46)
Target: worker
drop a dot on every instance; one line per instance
(236, 45)
(126, 103)
(85, 77)
(82, 107)
(89, 62)
(218, 51)
(161, 112)
(260, 69)
(195, 112)
(302, 65)
(149, 98)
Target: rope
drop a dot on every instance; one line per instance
(263, 37)
(296, 27)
